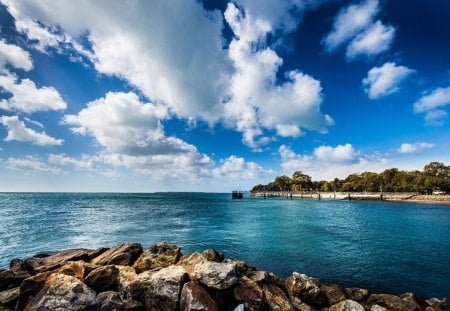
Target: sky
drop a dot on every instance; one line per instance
(212, 96)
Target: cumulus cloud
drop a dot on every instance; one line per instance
(19, 132)
(414, 148)
(30, 164)
(356, 27)
(237, 168)
(85, 162)
(385, 80)
(15, 56)
(436, 117)
(339, 154)
(27, 97)
(431, 104)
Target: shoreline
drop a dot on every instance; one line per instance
(127, 277)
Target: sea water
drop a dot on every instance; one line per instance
(382, 246)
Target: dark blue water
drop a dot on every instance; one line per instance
(386, 247)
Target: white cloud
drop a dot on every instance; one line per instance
(440, 97)
(26, 97)
(85, 162)
(15, 56)
(31, 164)
(237, 168)
(339, 154)
(384, 80)
(374, 40)
(436, 117)
(19, 132)
(414, 148)
(356, 27)
(258, 101)
(349, 22)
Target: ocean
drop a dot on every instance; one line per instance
(382, 246)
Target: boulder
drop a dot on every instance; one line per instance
(164, 288)
(160, 255)
(346, 305)
(110, 301)
(133, 305)
(216, 275)
(438, 304)
(357, 294)
(299, 305)
(334, 293)
(189, 263)
(276, 299)
(21, 268)
(307, 289)
(196, 298)
(9, 297)
(390, 302)
(415, 301)
(102, 278)
(378, 308)
(8, 280)
(127, 275)
(242, 267)
(249, 293)
(64, 292)
(123, 254)
(140, 285)
(212, 255)
(30, 287)
(74, 268)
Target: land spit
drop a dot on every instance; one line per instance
(126, 277)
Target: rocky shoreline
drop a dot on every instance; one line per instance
(127, 277)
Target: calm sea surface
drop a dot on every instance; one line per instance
(386, 247)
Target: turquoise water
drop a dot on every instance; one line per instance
(386, 247)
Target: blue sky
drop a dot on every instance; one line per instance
(210, 96)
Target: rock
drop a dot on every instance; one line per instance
(102, 278)
(127, 275)
(133, 305)
(212, 255)
(441, 305)
(190, 262)
(239, 308)
(21, 269)
(299, 305)
(378, 308)
(346, 305)
(8, 280)
(9, 297)
(415, 301)
(215, 275)
(75, 268)
(390, 302)
(196, 298)
(160, 255)
(276, 299)
(242, 267)
(307, 289)
(110, 301)
(164, 288)
(260, 277)
(249, 293)
(64, 292)
(123, 254)
(334, 293)
(30, 287)
(357, 294)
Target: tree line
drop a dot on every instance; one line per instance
(434, 177)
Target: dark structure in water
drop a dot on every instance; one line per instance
(237, 194)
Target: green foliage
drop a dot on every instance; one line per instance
(435, 176)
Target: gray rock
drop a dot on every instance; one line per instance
(123, 254)
(9, 297)
(30, 287)
(390, 302)
(334, 293)
(347, 305)
(127, 275)
(357, 294)
(64, 292)
(307, 289)
(102, 278)
(196, 298)
(249, 293)
(160, 255)
(212, 255)
(215, 275)
(417, 303)
(110, 301)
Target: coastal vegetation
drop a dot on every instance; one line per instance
(435, 177)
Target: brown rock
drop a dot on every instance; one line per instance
(357, 294)
(30, 287)
(133, 305)
(215, 275)
(102, 278)
(110, 301)
(160, 255)
(378, 308)
(75, 268)
(299, 305)
(127, 275)
(276, 299)
(415, 301)
(123, 254)
(196, 298)
(249, 293)
(334, 293)
(441, 305)
(242, 267)
(307, 289)
(8, 280)
(390, 302)
(64, 292)
(212, 255)
(9, 297)
(347, 305)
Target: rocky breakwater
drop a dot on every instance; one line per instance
(126, 277)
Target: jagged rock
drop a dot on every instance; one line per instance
(441, 305)
(378, 308)
(249, 293)
(133, 305)
(276, 299)
(299, 305)
(75, 268)
(196, 298)
(357, 294)
(127, 275)
(164, 288)
(30, 287)
(346, 305)
(189, 263)
(390, 302)
(21, 269)
(215, 275)
(413, 300)
(212, 255)
(307, 289)
(64, 292)
(102, 278)
(242, 267)
(160, 255)
(110, 301)
(9, 297)
(141, 284)
(260, 277)
(8, 280)
(334, 293)
(123, 254)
